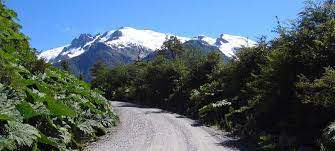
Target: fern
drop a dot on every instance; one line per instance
(58, 108)
(328, 139)
(8, 100)
(7, 144)
(46, 140)
(66, 135)
(21, 134)
(42, 107)
(26, 110)
(88, 127)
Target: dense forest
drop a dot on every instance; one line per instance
(279, 95)
(42, 107)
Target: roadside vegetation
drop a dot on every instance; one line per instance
(42, 107)
(279, 94)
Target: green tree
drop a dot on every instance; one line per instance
(81, 77)
(11, 40)
(65, 65)
(97, 68)
(303, 49)
(172, 47)
(99, 74)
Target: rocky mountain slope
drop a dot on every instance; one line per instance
(127, 44)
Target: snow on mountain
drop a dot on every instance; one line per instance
(126, 44)
(127, 36)
(127, 39)
(76, 51)
(104, 37)
(51, 54)
(229, 44)
(207, 40)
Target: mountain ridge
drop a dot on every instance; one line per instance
(126, 44)
(129, 35)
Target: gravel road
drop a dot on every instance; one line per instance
(151, 129)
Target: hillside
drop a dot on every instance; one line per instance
(42, 107)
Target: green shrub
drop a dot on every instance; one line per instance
(37, 66)
(42, 107)
(214, 112)
(328, 137)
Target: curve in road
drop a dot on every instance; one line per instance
(151, 129)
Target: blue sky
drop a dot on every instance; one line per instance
(52, 23)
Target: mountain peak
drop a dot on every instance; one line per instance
(128, 40)
(206, 39)
(51, 54)
(126, 44)
(126, 27)
(81, 40)
(127, 36)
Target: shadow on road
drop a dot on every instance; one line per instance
(238, 144)
(126, 104)
(156, 112)
(232, 144)
(180, 116)
(197, 124)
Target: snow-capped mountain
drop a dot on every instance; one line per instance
(229, 44)
(51, 54)
(121, 39)
(127, 44)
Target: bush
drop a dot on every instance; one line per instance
(5, 76)
(37, 66)
(214, 113)
(42, 107)
(328, 137)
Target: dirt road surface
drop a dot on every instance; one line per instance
(151, 129)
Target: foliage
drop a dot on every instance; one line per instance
(279, 94)
(42, 107)
(21, 134)
(320, 91)
(65, 65)
(172, 47)
(37, 66)
(98, 70)
(328, 137)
